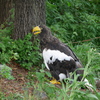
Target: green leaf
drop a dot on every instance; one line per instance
(93, 96)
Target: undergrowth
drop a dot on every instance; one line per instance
(28, 52)
(39, 79)
(74, 20)
(23, 51)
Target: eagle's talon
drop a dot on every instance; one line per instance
(54, 81)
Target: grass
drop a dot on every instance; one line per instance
(40, 80)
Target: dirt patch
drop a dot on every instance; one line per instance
(17, 85)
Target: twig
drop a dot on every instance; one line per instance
(86, 40)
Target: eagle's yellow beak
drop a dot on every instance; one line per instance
(36, 30)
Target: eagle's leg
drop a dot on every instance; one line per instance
(54, 81)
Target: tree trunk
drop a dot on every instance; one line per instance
(28, 13)
(5, 6)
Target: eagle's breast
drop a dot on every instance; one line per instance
(50, 56)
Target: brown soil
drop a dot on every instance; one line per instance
(18, 84)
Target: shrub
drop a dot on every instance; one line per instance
(23, 51)
(28, 52)
(6, 50)
(74, 20)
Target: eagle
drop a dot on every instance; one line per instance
(58, 57)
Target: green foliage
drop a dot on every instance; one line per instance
(74, 20)
(87, 53)
(6, 50)
(28, 52)
(5, 72)
(23, 51)
(2, 96)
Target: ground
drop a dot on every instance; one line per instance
(18, 85)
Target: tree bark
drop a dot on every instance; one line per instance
(28, 13)
(5, 6)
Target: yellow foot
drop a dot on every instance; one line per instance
(54, 81)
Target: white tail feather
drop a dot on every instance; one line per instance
(88, 85)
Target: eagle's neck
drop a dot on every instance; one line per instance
(49, 43)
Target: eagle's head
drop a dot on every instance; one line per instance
(44, 34)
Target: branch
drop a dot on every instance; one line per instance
(86, 40)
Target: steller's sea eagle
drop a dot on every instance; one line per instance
(59, 59)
